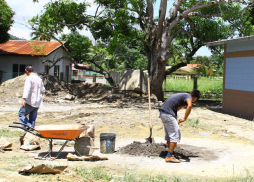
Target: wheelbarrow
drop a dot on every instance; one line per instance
(82, 146)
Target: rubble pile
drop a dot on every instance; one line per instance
(56, 90)
(60, 92)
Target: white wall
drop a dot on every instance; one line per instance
(239, 73)
(7, 61)
(62, 64)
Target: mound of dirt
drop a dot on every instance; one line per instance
(55, 89)
(160, 150)
(143, 149)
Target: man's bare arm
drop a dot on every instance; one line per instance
(188, 111)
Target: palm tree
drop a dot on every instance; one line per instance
(36, 35)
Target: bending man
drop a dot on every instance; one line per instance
(168, 115)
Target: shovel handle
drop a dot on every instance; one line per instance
(149, 102)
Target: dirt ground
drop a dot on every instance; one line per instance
(221, 145)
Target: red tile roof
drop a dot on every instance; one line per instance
(27, 47)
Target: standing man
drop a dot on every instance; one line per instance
(32, 97)
(168, 115)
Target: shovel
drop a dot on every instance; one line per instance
(149, 139)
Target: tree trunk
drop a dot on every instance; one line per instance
(157, 75)
(156, 88)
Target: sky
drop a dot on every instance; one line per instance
(26, 9)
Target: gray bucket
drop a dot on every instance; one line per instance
(107, 143)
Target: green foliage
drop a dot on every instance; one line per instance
(6, 21)
(78, 45)
(178, 55)
(116, 20)
(98, 54)
(40, 36)
(59, 15)
(37, 48)
(203, 70)
(214, 62)
(244, 24)
(127, 54)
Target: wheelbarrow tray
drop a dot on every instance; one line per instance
(59, 132)
(66, 132)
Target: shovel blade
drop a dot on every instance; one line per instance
(150, 140)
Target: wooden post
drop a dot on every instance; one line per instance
(94, 78)
(165, 83)
(1, 76)
(195, 82)
(141, 81)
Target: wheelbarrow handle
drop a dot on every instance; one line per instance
(20, 127)
(25, 125)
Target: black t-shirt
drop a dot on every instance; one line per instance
(175, 101)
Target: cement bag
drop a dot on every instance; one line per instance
(72, 157)
(89, 132)
(4, 144)
(30, 139)
(43, 169)
(29, 147)
(29, 142)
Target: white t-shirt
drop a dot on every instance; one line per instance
(33, 90)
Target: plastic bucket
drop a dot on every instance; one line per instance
(107, 143)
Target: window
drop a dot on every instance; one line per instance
(15, 68)
(56, 71)
(46, 70)
(22, 68)
(18, 69)
(67, 73)
(75, 72)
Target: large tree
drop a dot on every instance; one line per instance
(192, 22)
(6, 21)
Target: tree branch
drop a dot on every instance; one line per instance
(150, 18)
(172, 37)
(162, 13)
(203, 15)
(174, 68)
(173, 11)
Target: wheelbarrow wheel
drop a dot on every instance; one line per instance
(84, 146)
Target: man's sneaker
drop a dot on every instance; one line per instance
(172, 159)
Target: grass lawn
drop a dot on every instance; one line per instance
(210, 87)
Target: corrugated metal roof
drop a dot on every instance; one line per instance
(225, 41)
(27, 47)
